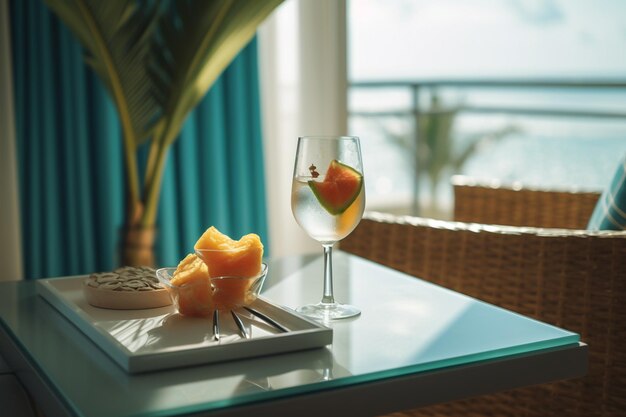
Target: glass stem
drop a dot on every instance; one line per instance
(328, 297)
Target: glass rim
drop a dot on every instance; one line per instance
(329, 137)
(257, 276)
(169, 272)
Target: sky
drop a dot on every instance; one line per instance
(408, 39)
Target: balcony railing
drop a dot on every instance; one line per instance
(417, 88)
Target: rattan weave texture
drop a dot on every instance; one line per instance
(570, 278)
(491, 204)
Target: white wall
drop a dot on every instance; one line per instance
(304, 92)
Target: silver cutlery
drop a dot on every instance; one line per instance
(216, 325)
(243, 332)
(266, 319)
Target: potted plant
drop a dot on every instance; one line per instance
(157, 60)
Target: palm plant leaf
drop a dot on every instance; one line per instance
(116, 37)
(440, 141)
(198, 39)
(158, 64)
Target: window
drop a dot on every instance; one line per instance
(514, 90)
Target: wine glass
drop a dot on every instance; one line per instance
(327, 201)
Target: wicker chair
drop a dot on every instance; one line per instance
(518, 206)
(570, 278)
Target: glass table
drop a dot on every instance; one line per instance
(414, 344)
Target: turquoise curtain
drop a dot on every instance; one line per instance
(70, 156)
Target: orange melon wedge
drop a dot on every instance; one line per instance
(237, 259)
(226, 257)
(194, 292)
(190, 269)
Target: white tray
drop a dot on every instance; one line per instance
(160, 338)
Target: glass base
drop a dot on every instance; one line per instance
(327, 312)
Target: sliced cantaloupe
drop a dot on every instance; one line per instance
(226, 257)
(341, 186)
(190, 269)
(193, 293)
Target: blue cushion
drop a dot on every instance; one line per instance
(610, 212)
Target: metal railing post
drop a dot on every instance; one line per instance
(416, 154)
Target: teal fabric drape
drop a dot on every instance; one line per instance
(70, 156)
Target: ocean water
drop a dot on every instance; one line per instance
(536, 161)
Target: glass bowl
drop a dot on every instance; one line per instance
(201, 297)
